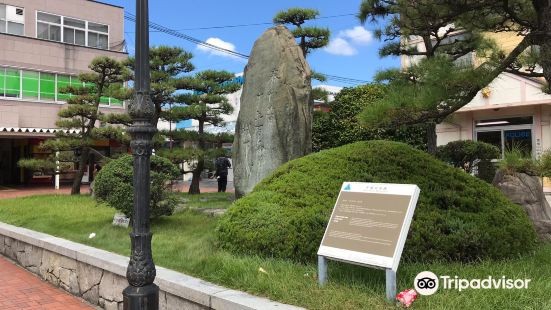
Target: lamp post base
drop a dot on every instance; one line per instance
(141, 298)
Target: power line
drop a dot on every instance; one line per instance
(250, 25)
(131, 17)
(152, 25)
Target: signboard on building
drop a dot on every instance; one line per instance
(369, 224)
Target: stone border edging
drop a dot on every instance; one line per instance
(186, 287)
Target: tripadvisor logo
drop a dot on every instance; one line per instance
(427, 283)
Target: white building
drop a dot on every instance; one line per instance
(511, 111)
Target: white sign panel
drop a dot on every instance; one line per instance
(370, 223)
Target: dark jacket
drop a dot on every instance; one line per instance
(222, 164)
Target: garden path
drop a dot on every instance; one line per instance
(21, 290)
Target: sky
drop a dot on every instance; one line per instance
(352, 53)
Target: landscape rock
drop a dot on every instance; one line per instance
(274, 124)
(111, 287)
(10, 248)
(68, 280)
(526, 191)
(89, 278)
(30, 257)
(211, 211)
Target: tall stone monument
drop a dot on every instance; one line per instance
(275, 119)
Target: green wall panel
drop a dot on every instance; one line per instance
(30, 85)
(63, 81)
(47, 86)
(13, 83)
(42, 86)
(2, 81)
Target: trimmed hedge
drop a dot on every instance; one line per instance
(458, 217)
(113, 185)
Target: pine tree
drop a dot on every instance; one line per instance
(206, 103)
(309, 38)
(79, 119)
(448, 30)
(167, 65)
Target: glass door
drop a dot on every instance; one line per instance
(490, 137)
(520, 139)
(507, 133)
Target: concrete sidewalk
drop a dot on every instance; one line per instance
(20, 289)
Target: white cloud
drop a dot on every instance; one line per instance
(219, 43)
(344, 43)
(358, 35)
(340, 46)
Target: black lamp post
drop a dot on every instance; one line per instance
(142, 294)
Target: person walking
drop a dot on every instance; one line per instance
(222, 165)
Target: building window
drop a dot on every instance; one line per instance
(98, 36)
(42, 86)
(73, 31)
(12, 20)
(48, 27)
(507, 133)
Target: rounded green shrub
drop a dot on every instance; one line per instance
(458, 217)
(113, 185)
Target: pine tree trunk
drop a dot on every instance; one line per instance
(544, 16)
(77, 182)
(431, 138)
(194, 187)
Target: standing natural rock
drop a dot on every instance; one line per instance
(275, 119)
(526, 191)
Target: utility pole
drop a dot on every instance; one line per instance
(141, 294)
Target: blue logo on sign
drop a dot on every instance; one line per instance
(347, 187)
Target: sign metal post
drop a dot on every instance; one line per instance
(369, 227)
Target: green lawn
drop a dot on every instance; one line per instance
(186, 242)
(213, 200)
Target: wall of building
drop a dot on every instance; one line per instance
(507, 96)
(42, 55)
(31, 54)
(91, 11)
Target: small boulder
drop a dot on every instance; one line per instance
(526, 191)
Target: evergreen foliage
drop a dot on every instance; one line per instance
(458, 217)
(204, 102)
(448, 32)
(342, 126)
(471, 156)
(113, 185)
(167, 64)
(309, 38)
(77, 120)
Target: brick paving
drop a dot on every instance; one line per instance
(20, 289)
(23, 191)
(206, 186)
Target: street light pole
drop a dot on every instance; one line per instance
(141, 294)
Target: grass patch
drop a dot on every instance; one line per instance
(186, 242)
(208, 200)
